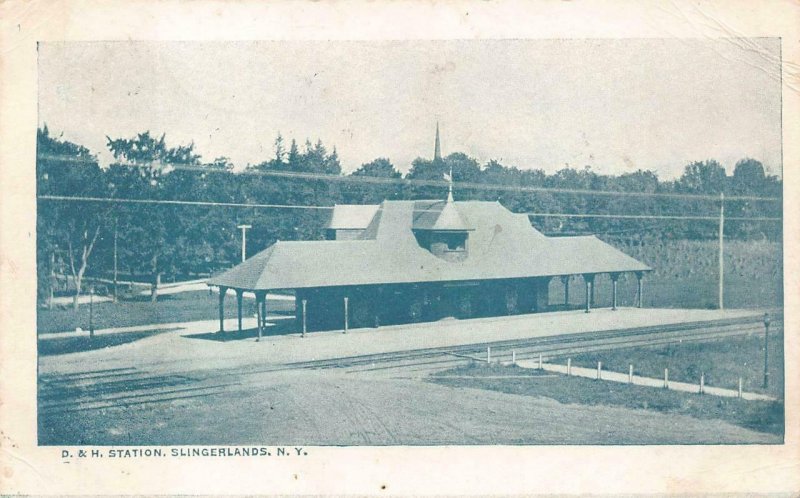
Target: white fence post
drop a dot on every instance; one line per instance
(513, 357)
(630, 374)
(740, 387)
(666, 378)
(569, 366)
(541, 366)
(599, 370)
(702, 383)
(488, 354)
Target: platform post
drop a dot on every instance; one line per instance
(565, 281)
(304, 317)
(589, 279)
(259, 316)
(222, 292)
(239, 293)
(346, 317)
(614, 278)
(639, 277)
(264, 311)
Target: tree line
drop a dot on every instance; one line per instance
(150, 241)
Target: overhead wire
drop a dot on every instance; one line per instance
(246, 205)
(212, 168)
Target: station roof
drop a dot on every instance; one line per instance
(352, 216)
(501, 245)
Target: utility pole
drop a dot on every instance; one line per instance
(115, 260)
(244, 228)
(721, 243)
(52, 280)
(91, 312)
(766, 350)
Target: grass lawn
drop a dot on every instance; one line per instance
(170, 308)
(84, 343)
(723, 361)
(755, 415)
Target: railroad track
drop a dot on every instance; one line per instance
(102, 389)
(554, 346)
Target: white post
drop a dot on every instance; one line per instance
(569, 366)
(599, 370)
(488, 354)
(630, 374)
(740, 387)
(513, 357)
(702, 383)
(666, 378)
(541, 366)
(244, 228)
(721, 244)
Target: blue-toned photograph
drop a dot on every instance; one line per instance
(410, 243)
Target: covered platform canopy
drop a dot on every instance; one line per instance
(501, 246)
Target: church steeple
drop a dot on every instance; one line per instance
(437, 148)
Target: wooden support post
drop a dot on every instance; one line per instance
(614, 278)
(639, 277)
(264, 311)
(589, 279)
(259, 314)
(222, 292)
(565, 281)
(346, 314)
(305, 302)
(239, 295)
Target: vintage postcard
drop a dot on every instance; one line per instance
(313, 258)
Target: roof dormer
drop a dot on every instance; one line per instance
(440, 228)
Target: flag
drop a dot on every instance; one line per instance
(447, 177)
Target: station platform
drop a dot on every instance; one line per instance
(194, 345)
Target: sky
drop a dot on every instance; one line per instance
(614, 105)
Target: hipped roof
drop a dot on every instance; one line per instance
(502, 245)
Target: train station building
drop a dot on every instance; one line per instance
(413, 261)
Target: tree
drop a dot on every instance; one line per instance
(707, 177)
(67, 169)
(153, 233)
(374, 193)
(280, 152)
